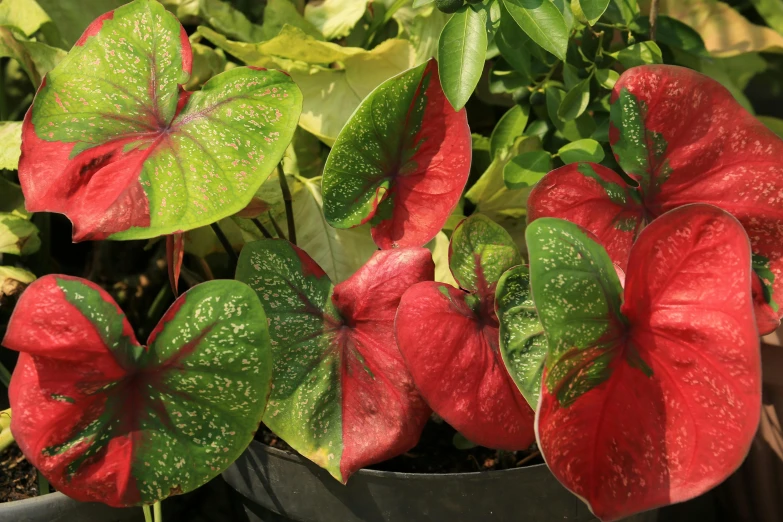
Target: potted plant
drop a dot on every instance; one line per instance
(591, 333)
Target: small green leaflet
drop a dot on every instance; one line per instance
(526, 169)
(581, 150)
(461, 51)
(523, 343)
(511, 126)
(543, 22)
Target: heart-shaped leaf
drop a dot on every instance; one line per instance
(449, 338)
(685, 139)
(657, 401)
(400, 162)
(523, 344)
(339, 379)
(106, 419)
(113, 142)
(593, 197)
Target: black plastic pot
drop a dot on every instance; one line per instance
(56, 507)
(297, 489)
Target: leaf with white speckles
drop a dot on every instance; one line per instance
(449, 338)
(686, 139)
(401, 162)
(657, 400)
(596, 198)
(339, 379)
(113, 141)
(108, 420)
(522, 341)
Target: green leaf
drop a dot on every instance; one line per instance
(11, 198)
(461, 51)
(439, 247)
(421, 3)
(607, 77)
(542, 22)
(29, 18)
(481, 250)
(773, 124)
(422, 28)
(230, 21)
(639, 54)
(771, 11)
(11, 277)
(10, 144)
(673, 33)
(511, 126)
(581, 150)
(513, 44)
(591, 9)
(576, 101)
(526, 169)
(581, 127)
(570, 272)
(340, 252)
(330, 95)
(279, 13)
(335, 18)
(622, 12)
(523, 344)
(207, 62)
(36, 58)
(73, 16)
(18, 235)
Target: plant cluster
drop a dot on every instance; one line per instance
(608, 310)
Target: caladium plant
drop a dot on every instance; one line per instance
(449, 338)
(682, 138)
(401, 162)
(113, 141)
(341, 395)
(106, 419)
(650, 394)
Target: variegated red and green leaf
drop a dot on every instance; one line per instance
(595, 198)
(686, 139)
(522, 341)
(401, 162)
(449, 339)
(654, 401)
(106, 419)
(114, 142)
(339, 379)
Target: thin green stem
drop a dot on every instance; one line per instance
(43, 485)
(277, 228)
(289, 205)
(5, 376)
(261, 227)
(225, 242)
(157, 509)
(147, 513)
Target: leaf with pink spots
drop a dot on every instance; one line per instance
(651, 394)
(114, 142)
(106, 419)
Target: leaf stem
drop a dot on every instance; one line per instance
(156, 508)
(225, 242)
(653, 18)
(43, 485)
(261, 227)
(289, 207)
(147, 514)
(277, 228)
(5, 376)
(6, 439)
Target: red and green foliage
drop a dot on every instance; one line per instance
(106, 419)
(651, 394)
(339, 379)
(401, 162)
(449, 338)
(114, 142)
(683, 138)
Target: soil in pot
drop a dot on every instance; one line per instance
(18, 478)
(436, 453)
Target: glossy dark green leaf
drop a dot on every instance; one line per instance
(639, 54)
(581, 150)
(622, 11)
(576, 101)
(523, 344)
(591, 9)
(607, 77)
(524, 170)
(581, 127)
(673, 33)
(511, 126)
(461, 51)
(542, 22)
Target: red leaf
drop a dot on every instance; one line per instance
(595, 198)
(687, 140)
(379, 400)
(175, 251)
(452, 353)
(681, 404)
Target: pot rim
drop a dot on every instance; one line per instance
(495, 473)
